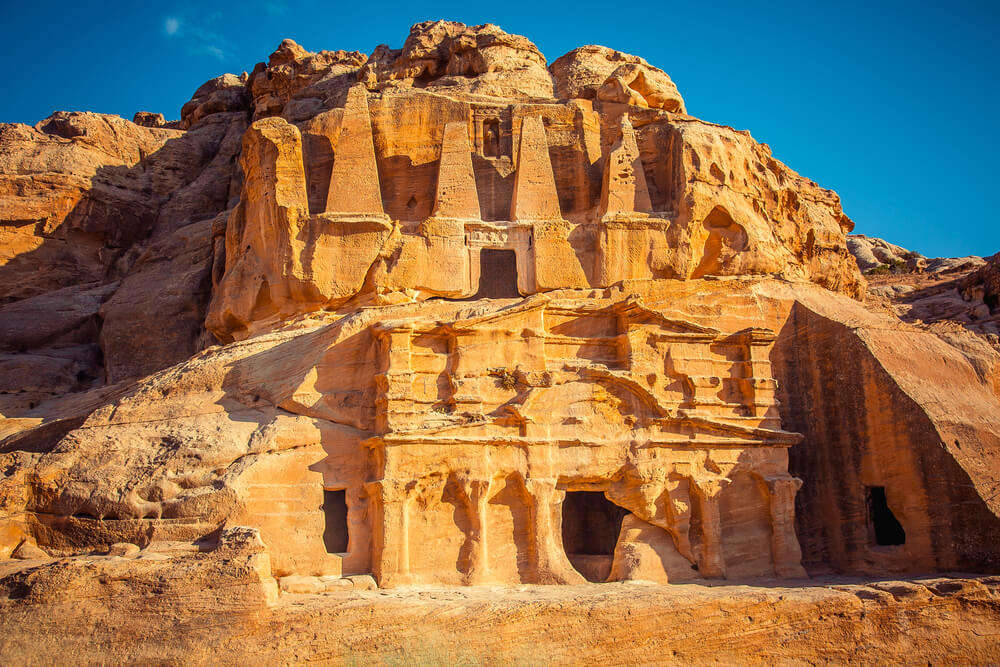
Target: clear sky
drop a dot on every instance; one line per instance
(892, 104)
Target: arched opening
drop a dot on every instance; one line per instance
(885, 527)
(590, 527)
(497, 274)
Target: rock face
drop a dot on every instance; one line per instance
(597, 72)
(691, 199)
(451, 57)
(443, 315)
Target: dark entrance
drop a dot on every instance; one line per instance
(497, 274)
(491, 137)
(590, 527)
(335, 511)
(885, 526)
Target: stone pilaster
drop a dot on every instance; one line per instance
(395, 381)
(463, 376)
(476, 493)
(785, 550)
(389, 501)
(711, 563)
(550, 561)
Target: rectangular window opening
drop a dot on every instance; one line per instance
(335, 512)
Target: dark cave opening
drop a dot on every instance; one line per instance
(590, 527)
(886, 528)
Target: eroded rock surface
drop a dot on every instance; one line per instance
(444, 315)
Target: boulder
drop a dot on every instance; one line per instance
(453, 57)
(597, 72)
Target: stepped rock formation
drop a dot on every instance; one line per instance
(447, 316)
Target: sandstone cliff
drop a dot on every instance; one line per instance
(449, 314)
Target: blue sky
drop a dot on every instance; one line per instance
(893, 106)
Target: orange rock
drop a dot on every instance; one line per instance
(456, 186)
(534, 196)
(454, 319)
(597, 72)
(354, 184)
(624, 189)
(455, 58)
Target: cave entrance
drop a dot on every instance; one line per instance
(885, 527)
(497, 274)
(590, 527)
(335, 513)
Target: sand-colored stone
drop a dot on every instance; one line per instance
(459, 337)
(354, 184)
(454, 58)
(534, 196)
(624, 188)
(456, 186)
(295, 83)
(597, 72)
(224, 594)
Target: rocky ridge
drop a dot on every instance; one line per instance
(940, 293)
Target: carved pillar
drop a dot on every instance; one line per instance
(551, 564)
(711, 563)
(476, 493)
(535, 196)
(758, 385)
(678, 503)
(463, 376)
(785, 550)
(624, 189)
(704, 390)
(354, 183)
(390, 501)
(395, 382)
(456, 195)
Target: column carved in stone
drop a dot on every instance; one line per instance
(390, 500)
(476, 494)
(785, 551)
(711, 563)
(551, 564)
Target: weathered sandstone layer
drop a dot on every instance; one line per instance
(360, 327)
